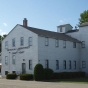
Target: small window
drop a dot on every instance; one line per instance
(6, 44)
(74, 64)
(57, 64)
(6, 60)
(13, 59)
(69, 64)
(60, 29)
(56, 42)
(14, 72)
(30, 41)
(46, 64)
(83, 64)
(46, 41)
(64, 44)
(13, 42)
(6, 72)
(74, 44)
(64, 63)
(30, 64)
(22, 41)
(83, 44)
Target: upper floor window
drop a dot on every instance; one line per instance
(6, 60)
(69, 64)
(13, 59)
(6, 44)
(83, 44)
(57, 64)
(47, 64)
(60, 29)
(74, 64)
(13, 42)
(30, 41)
(83, 64)
(30, 64)
(64, 63)
(64, 44)
(22, 41)
(46, 41)
(74, 44)
(56, 42)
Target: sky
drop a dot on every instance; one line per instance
(43, 14)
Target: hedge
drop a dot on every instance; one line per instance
(11, 76)
(26, 76)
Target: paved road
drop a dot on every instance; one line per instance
(33, 84)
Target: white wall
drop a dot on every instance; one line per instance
(53, 53)
(30, 53)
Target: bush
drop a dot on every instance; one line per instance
(26, 77)
(11, 76)
(48, 73)
(38, 72)
(57, 75)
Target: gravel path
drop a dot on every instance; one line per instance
(33, 84)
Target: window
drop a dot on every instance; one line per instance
(21, 41)
(30, 41)
(74, 44)
(46, 64)
(60, 29)
(57, 64)
(46, 41)
(74, 64)
(13, 42)
(30, 64)
(69, 64)
(56, 43)
(6, 72)
(64, 44)
(64, 64)
(13, 59)
(6, 60)
(14, 72)
(83, 44)
(83, 64)
(6, 44)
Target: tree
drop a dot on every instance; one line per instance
(83, 17)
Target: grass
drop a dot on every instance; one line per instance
(74, 80)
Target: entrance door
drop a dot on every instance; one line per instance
(23, 68)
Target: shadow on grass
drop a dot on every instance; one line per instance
(74, 80)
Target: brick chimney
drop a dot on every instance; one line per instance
(25, 22)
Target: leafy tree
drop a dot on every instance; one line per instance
(83, 17)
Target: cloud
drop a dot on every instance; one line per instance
(2, 32)
(5, 24)
(61, 21)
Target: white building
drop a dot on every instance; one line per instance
(61, 51)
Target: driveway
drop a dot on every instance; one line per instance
(33, 84)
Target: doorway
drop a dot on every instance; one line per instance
(23, 68)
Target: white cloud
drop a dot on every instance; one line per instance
(61, 21)
(5, 24)
(2, 32)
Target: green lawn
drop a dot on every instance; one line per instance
(74, 80)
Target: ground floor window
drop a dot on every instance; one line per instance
(83, 64)
(13, 72)
(47, 64)
(30, 64)
(6, 72)
(57, 64)
(74, 64)
(64, 63)
(69, 64)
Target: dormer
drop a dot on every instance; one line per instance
(64, 28)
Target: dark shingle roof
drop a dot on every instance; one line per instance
(51, 34)
(83, 24)
(71, 31)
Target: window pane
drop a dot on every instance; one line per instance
(30, 64)
(13, 42)
(13, 59)
(83, 64)
(64, 63)
(46, 64)
(6, 44)
(64, 44)
(57, 64)
(30, 41)
(22, 41)
(6, 60)
(56, 43)
(46, 41)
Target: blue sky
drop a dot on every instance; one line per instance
(44, 14)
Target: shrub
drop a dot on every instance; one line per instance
(26, 77)
(48, 73)
(11, 76)
(38, 72)
(57, 75)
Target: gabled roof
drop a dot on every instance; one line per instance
(51, 34)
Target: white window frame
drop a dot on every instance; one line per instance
(22, 41)
(13, 42)
(6, 44)
(6, 60)
(83, 44)
(30, 41)
(56, 42)
(13, 59)
(64, 44)
(46, 41)
(30, 64)
(74, 44)
(83, 64)
(57, 64)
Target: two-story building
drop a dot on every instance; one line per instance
(26, 46)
